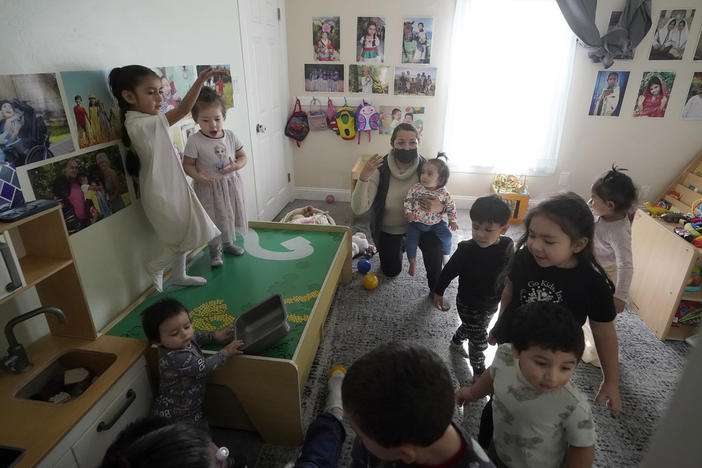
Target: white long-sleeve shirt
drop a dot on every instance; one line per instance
(613, 247)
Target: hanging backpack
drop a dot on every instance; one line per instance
(331, 116)
(297, 127)
(367, 119)
(316, 116)
(346, 122)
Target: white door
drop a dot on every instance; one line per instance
(262, 25)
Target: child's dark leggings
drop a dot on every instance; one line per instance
(473, 328)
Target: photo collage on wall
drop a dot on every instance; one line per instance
(669, 42)
(375, 72)
(60, 135)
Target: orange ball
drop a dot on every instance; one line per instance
(370, 281)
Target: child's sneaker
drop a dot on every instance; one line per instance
(458, 348)
(232, 249)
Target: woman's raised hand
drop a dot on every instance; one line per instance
(369, 168)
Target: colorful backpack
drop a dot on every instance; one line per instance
(367, 119)
(316, 116)
(346, 122)
(297, 127)
(331, 116)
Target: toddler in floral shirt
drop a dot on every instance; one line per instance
(435, 174)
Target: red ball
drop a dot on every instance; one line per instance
(330, 198)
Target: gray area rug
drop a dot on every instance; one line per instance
(398, 310)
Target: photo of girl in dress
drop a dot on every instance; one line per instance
(326, 38)
(416, 40)
(415, 81)
(670, 36)
(370, 39)
(33, 122)
(90, 187)
(369, 79)
(222, 84)
(608, 93)
(322, 78)
(654, 91)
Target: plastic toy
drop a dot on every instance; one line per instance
(330, 199)
(694, 283)
(370, 281)
(655, 211)
(697, 208)
(674, 194)
(674, 217)
(363, 266)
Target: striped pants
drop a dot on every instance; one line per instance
(473, 328)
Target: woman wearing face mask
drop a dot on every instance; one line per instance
(382, 186)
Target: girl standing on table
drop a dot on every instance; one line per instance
(169, 202)
(208, 160)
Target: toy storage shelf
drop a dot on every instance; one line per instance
(662, 264)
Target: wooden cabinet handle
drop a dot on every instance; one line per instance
(106, 426)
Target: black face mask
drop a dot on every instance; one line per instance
(405, 155)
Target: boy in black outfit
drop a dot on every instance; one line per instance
(479, 264)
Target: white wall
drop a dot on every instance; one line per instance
(41, 36)
(654, 150)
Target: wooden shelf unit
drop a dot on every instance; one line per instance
(48, 266)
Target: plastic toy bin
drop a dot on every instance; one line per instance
(262, 325)
(518, 202)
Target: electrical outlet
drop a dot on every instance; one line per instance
(563, 178)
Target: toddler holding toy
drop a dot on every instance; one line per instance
(182, 366)
(435, 174)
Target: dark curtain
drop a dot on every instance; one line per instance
(620, 40)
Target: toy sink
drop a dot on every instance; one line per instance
(262, 325)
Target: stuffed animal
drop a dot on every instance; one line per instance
(361, 247)
(308, 215)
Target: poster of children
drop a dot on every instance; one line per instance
(392, 116)
(220, 83)
(324, 78)
(369, 79)
(95, 112)
(326, 38)
(608, 93)
(416, 40)
(693, 105)
(33, 123)
(415, 81)
(175, 82)
(370, 39)
(670, 36)
(90, 187)
(654, 91)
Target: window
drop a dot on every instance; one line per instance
(509, 78)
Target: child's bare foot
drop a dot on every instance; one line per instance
(412, 266)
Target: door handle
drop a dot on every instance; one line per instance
(105, 426)
(260, 128)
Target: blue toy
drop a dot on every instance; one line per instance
(363, 266)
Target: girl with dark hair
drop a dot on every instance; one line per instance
(168, 200)
(653, 100)
(555, 262)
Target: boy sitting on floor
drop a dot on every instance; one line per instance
(399, 400)
(540, 418)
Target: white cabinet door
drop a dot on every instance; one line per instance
(133, 402)
(262, 25)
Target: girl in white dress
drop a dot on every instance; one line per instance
(213, 157)
(169, 202)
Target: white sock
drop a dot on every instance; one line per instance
(181, 278)
(336, 378)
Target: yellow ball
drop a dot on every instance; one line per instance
(370, 281)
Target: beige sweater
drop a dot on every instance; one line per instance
(394, 221)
